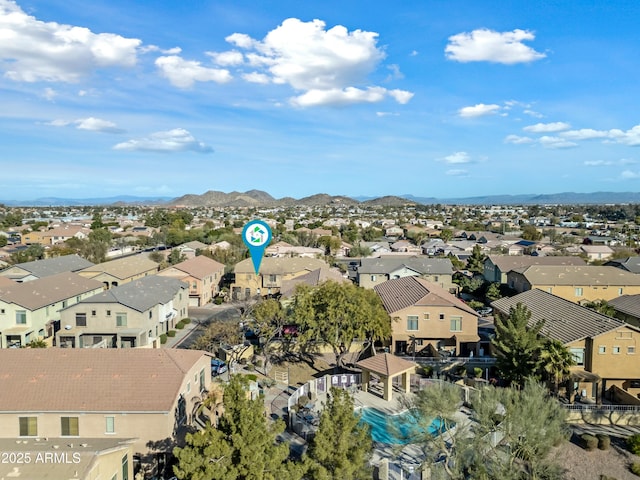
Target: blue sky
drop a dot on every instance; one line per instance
(431, 98)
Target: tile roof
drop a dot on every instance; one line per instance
(578, 275)
(564, 320)
(92, 380)
(386, 364)
(199, 267)
(422, 265)
(627, 304)
(313, 279)
(631, 264)
(123, 268)
(400, 293)
(48, 290)
(510, 262)
(52, 266)
(141, 294)
(281, 266)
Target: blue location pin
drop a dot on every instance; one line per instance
(256, 235)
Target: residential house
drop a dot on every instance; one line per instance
(627, 308)
(56, 235)
(374, 271)
(274, 271)
(202, 274)
(427, 318)
(405, 246)
(31, 310)
(122, 270)
(131, 315)
(149, 395)
(630, 264)
(25, 272)
(313, 278)
(596, 252)
(283, 249)
(377, 248)
(603, 348)
(496, 267)
(579, 284)
(191, 249)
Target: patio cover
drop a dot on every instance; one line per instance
(387, 366)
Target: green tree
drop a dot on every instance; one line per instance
(337, 314)
(243, 447)
(530, 232)
(518, 345)
(359, 251)
(493, 292)
(475, 262)
(342, 446)
(556, 362)
(3, 241)
(601, 306)
(446, 234)
(176, 256)
(269, 319)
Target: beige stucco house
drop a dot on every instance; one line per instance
(374, 271)
(122, 270)
(149, 395)
(202, 274)
(27, 271)
(424, 314)
(32, 310)
(131, 315)
(577, 284)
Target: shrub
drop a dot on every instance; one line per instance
(252, 377)
(258, 363)
(633, 444)
(251, 367)
(171, 333)
(186, 321)
(589, 442)
(604, 442)
(218, 300)
(163, 338)
(426, 370)
(180, 325)
(477, 372)
(635, 468)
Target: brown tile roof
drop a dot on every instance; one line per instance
(386, 364)
(564, 320)
(199, 267)
(92, 380)
(48, 290)
(313, 279)
(627, 304)
(281, 266)
(578, 275)
(123, 268)
(400, 293)
(511, 262)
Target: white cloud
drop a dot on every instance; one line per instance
(547, 127)
(184, 73)
(533, 113)
(58, 123)
(485, 45)
(97, 125)
(176, 140)
(518, 140)
(457, 158)
(630, 137)
(32, 50)
(49, 94)
(607, 163)
(386, 114)
(479, 110)
(629, 175)
(457, 173)
(328, 66)
(226, 59)
(585, 134)
(256, 77)
(555, 142)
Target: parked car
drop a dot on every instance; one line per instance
(484, 311)
(218, 367)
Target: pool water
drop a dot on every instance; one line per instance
(399, 429)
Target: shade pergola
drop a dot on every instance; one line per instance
(387, 366)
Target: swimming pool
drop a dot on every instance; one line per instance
(399, 429)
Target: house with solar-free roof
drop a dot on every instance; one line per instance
(202, 274)
(605, 349)
(84, 397)
(27, 271)
(374, 271)
(132, 315)
(32, 310)
(122, 270)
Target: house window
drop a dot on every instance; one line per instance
(64, 304)
(93, 313)
(550, 290)
(188, 387)
(272, 278)
(110, 424)
(202, 379)
(602, 349)
(578, 355)
(442, 316)
(436, 278)
(69, 427)
(28, 426)
(455, 324)
(108, 313)
(21, 317)
(620, 290)
(425, 316)
(121, 319)
(2, 311)
(125, 467)
(412, 322)
(616, 350)
(150, 314)
(81, 319)
(578, 291)
(373, 278)
(631, 350)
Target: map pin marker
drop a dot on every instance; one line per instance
(256, 236)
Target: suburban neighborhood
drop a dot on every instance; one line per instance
(122, 329)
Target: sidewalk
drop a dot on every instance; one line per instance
(174, 342)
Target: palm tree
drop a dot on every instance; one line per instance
(556, 362)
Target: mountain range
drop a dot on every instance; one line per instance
(259, 198)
